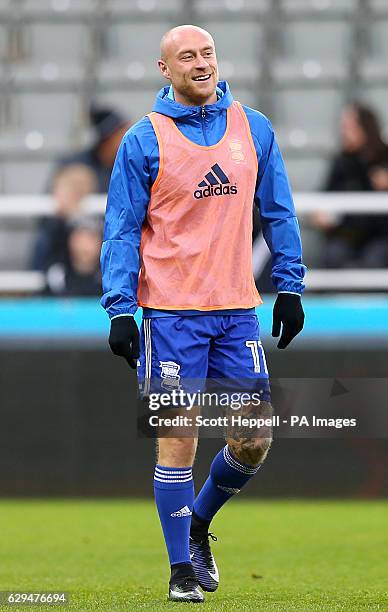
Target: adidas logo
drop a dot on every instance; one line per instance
(185, 511)
(215, 183)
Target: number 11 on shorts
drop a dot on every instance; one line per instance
(257, 348)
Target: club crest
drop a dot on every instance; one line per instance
(170, 374)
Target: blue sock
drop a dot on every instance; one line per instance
(174, 496)
(227, 476)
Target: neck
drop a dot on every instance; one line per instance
(181, 99)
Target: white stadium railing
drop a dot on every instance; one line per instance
(14, 206)
(26, 206)
(22, 281)
(29, 207)
(334, 204)
(350, 279)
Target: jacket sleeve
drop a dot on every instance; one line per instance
(279, 223)
(128, 198)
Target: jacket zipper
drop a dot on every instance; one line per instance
(203, 114)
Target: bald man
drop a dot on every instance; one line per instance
(178, 243)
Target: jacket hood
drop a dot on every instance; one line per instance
(166, 106)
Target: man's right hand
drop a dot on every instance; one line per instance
(124, 339)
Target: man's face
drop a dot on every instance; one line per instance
(84, 248)
(190, 63)
(353, 135)
(107, 149)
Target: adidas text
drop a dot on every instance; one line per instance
(218, 190)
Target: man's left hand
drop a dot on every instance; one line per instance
(288, 311)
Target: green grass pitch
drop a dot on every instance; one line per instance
(272, 555)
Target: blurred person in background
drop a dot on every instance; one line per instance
(80, 275)
(70, 186)
(110, 127)
(361, 165)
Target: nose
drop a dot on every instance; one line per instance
(201, 63)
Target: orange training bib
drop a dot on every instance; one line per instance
(196, 243)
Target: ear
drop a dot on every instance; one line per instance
(164, 69)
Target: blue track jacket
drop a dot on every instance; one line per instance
(136, 168)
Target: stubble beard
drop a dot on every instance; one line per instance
(192, 96)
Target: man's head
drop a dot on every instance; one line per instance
(188, 60)
(110, 126)
(70, 185)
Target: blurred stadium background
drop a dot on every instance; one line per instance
(67, 406)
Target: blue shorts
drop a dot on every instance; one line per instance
(189, 351)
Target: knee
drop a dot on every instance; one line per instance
(251, 451)
(176, 452)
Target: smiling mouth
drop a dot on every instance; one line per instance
(203, 77)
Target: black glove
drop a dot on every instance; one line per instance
(124, 339)
(289, 311)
